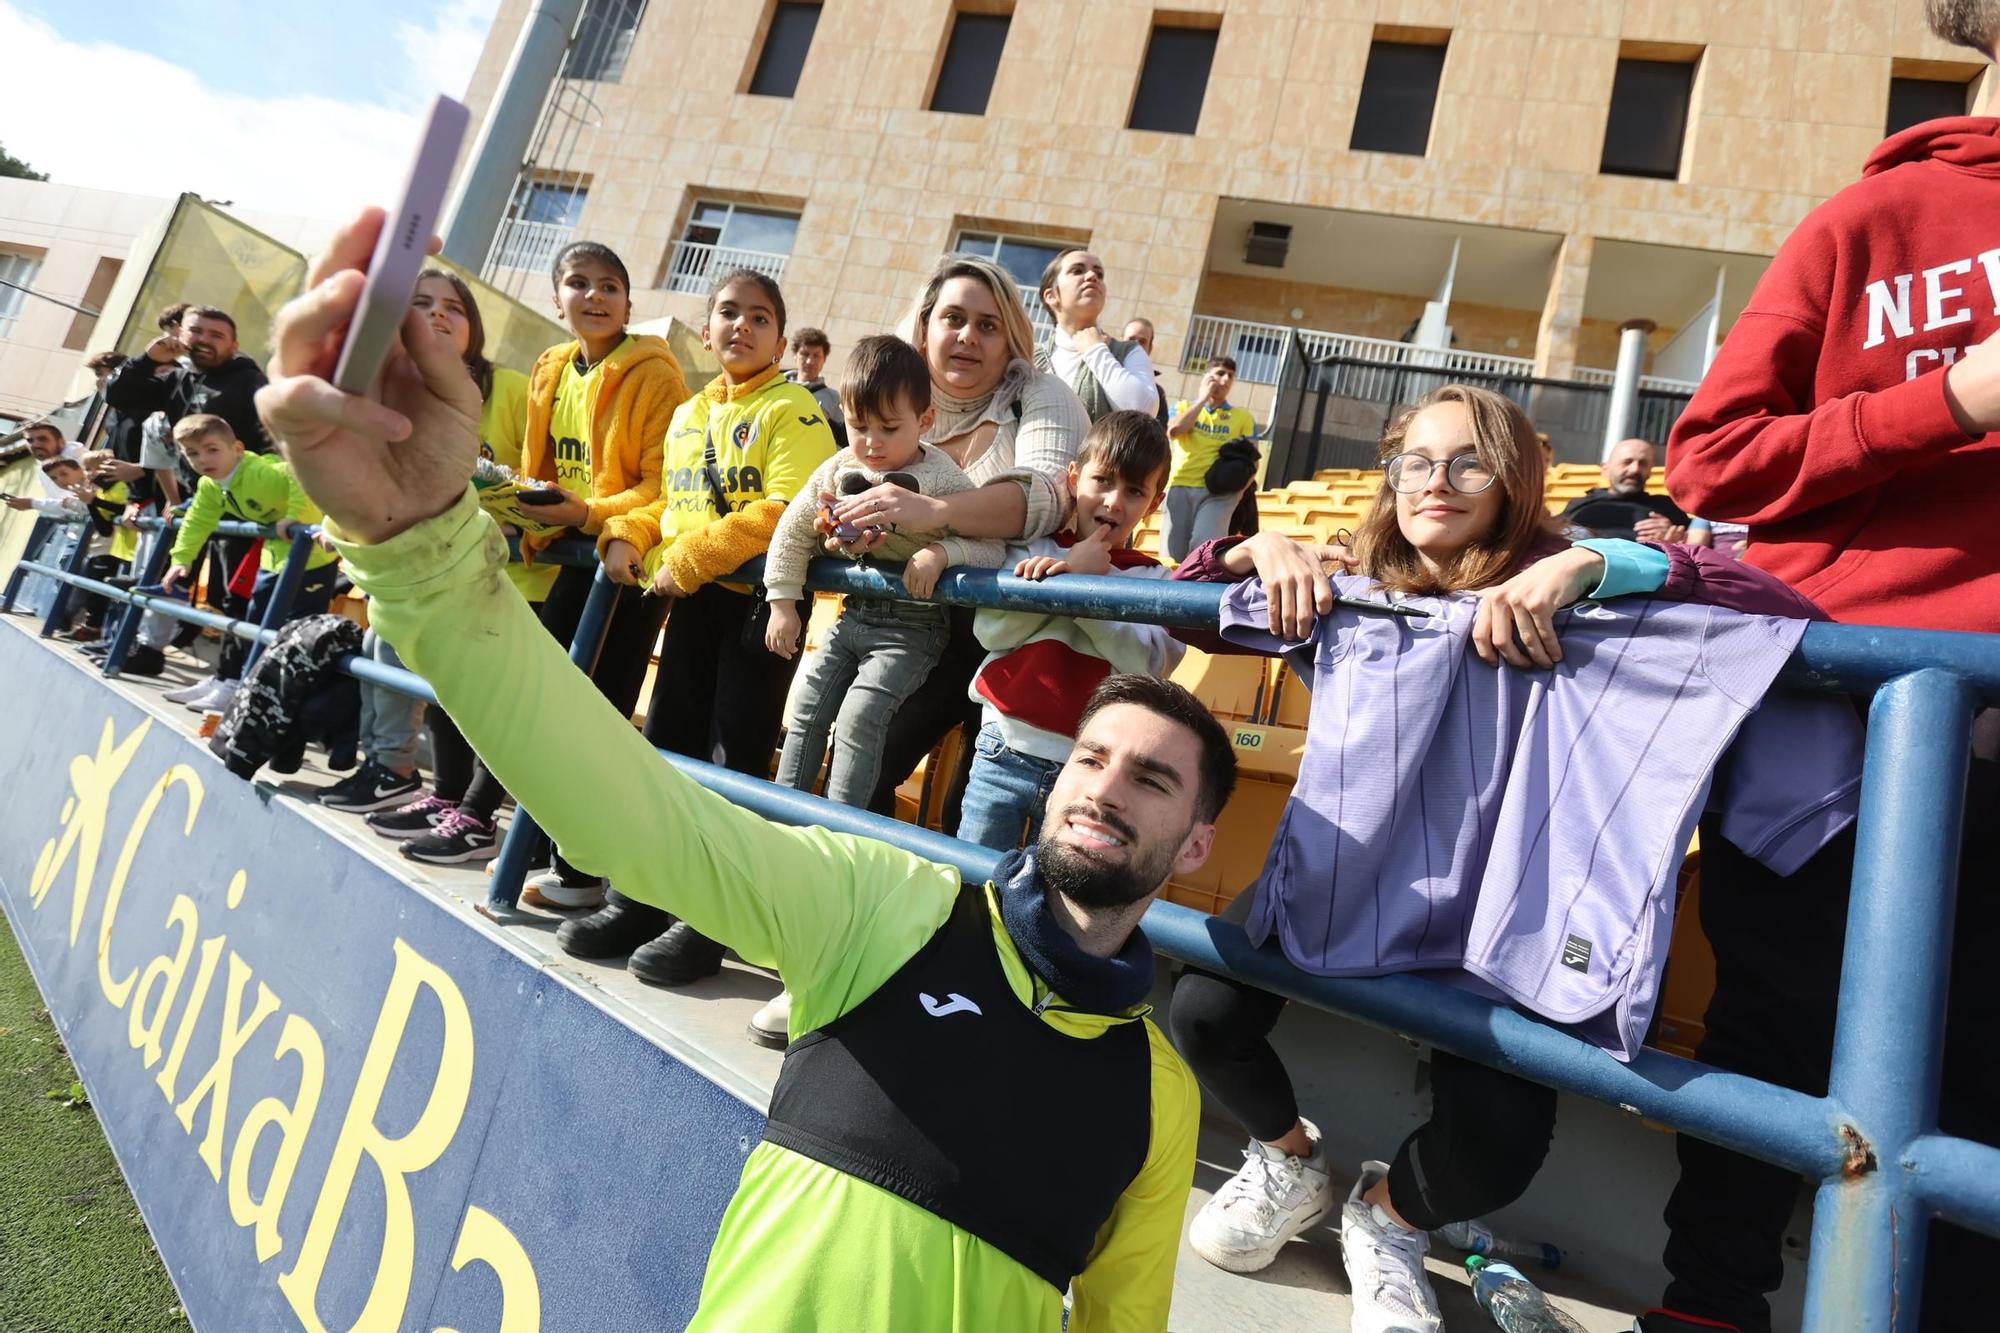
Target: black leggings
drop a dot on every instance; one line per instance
(717, 697)
(1479, 1151)
(928, 716)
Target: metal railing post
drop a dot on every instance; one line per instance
(147, 571)
(38, 534)
(59, 604)
(510, 868)
(1868, 1232)
(279, 608)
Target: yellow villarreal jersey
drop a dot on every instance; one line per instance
(574, 411)
(1195, 451)
(766, 446)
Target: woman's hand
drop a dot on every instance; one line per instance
(621, 563)
(781, 636)
(921, 571)
(1516, 619)
(381, 463)
(1294, 575)
(889, 507)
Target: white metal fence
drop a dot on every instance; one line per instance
(693, 267)
(530, 246)
(1258, 350)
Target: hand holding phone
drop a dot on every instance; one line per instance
(400, 251)
(537, 498)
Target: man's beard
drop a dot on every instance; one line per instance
(1091, 883)
(205, 358)
(1964, 22)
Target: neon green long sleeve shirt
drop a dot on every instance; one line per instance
(262, 489)
(802, 1247)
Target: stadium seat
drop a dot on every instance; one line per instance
(1231, 687)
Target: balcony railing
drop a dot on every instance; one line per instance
(1259, 350)
(693, 267)
(1659, 383)
(1038, 314)
(530, 246)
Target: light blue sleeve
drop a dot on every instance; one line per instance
(1629, 567)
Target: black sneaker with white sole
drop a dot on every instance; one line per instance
(411, 820)
(454, 840)
(370, 787)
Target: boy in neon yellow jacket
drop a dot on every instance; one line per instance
(959, 998)
(251, 488)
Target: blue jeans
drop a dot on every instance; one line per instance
(390, 722)
(1006, 792)
(877, 655)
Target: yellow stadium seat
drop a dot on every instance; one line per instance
(1243, 835)
(1229, 686)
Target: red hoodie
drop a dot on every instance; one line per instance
(1823, 422)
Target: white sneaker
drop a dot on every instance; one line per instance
(1385, 1265)
(215, 698)
(189, 693)
(548, 890)
(770, 1027)
(1275, 1197)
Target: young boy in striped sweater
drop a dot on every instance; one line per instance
(1041, 668)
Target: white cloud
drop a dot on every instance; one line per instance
(443, 52)
(115, 118)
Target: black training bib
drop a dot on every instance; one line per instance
(947, 1091)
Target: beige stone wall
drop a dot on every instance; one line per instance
(1790, 99)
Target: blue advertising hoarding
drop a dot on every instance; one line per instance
(339, 1104)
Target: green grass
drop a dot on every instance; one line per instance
(74, 1253)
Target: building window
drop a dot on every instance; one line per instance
(94, 297)
(1023, 259)
(1173, 80)
(786, 42)
(1398, 94)
(1915, 100)
(544, 218)
(17, 275)
(720, 237)
(603, 40)
(971, 59)
(1648, 120)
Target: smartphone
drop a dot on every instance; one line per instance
(540, 497)
(401, 250)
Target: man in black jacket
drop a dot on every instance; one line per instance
(214, 377)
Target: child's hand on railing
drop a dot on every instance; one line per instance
(781, 636)
(921, 571)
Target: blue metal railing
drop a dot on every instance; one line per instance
(1872, 1142)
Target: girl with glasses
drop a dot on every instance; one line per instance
(1460, 510)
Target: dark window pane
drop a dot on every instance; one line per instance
(1173, 80)
(1914, 101)
(603, 40)
(971, 58)
(1649, 105)
(1398, 94)
(785, 47)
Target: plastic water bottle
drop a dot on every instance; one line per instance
(1475, 1237)
(1516, 1304)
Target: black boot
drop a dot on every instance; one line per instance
(678, 957)
(615, 929)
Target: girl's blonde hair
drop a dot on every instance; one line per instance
(1505, 441)
(1006, 295)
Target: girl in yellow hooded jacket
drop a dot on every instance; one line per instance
(736, 453)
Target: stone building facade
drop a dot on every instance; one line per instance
(1783, 101)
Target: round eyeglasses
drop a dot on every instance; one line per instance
(1409, 473)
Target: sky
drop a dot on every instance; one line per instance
(282, 105)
